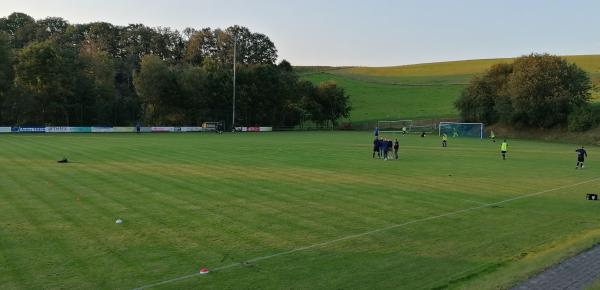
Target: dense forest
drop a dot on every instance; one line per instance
(61, 74)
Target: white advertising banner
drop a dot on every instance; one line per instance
(28, 129)
(191, 129)
(254, 129)
(5, 129)
(102, 129)
(58, 130)
(123, 129)
(163, 129)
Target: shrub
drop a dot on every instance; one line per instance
(581, 119)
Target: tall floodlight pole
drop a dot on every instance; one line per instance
(234, 74)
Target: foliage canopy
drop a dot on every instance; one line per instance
(538, 90)
(56, 73)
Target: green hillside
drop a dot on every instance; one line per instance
(420, 91)
(372, 101)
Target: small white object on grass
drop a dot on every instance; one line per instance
(119, 221)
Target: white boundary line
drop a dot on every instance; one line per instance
(484, 205)
(473, 201)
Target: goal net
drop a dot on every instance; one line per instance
(452, 129)
(394, 126)
(213, 126)
(423, 129)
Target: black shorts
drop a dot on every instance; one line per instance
(503, 152)
(580, 159)
(375, 149)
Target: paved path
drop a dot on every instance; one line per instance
(577, 272)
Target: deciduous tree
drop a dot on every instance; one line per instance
(538, 90)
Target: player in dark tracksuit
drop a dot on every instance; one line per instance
(396, 146)
(581, 155)
(376, 147)
(384, 147)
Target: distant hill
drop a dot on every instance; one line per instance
(420, 91)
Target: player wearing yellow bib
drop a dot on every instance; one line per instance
(444, 140)
(504, 149)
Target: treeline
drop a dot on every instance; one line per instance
(56, 73)
(538, 90)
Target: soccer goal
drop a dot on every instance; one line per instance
(453, 129)
(213, 126)
(394, 126)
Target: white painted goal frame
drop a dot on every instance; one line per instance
(481, 125)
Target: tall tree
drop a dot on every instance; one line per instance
(544, 89)
(43, 72)
(98, 67)
(6, 73)
(200, 46)
(6, 62)
(484, 99)
(168, 44)
(156, 84)
(537, 90)
(252, 48)
(327, 103)
(20, 27)
(101, 36)
(192, 83)
(53, 28)
(218, 45)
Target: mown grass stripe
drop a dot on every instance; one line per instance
(353, 236)
(53, 213)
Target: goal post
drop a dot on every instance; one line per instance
(455, 129)
(394, 126)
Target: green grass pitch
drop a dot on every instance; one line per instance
(191, 200)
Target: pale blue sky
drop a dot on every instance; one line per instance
(368, 33)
